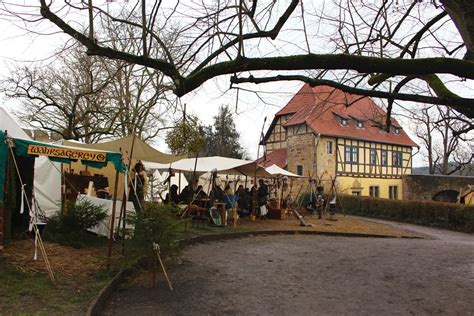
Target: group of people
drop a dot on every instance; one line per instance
(193, 194)
(241, 198)
(186, 196)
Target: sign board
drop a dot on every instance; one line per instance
(67, 153)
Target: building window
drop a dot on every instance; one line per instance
(374, 191)
(384, 158)
(397, 130)
(344, 122)
(359, 124)
(393, 192)
(299, 170)
(356, 193)
(397, 158)
(373, 157)
(329, 147)
(352, 154)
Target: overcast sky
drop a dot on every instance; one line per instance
(250, 109)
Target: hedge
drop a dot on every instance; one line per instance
(428, 213)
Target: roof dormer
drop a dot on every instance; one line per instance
(344, 121)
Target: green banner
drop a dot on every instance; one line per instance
(24, 148)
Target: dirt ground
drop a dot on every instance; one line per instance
(66, 262)
(308, 275)
(73, 263)
(343, 224)
(26, 289)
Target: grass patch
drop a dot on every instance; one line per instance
(33, 293)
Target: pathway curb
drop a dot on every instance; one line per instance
(97, 305)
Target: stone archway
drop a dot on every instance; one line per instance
(446, 196)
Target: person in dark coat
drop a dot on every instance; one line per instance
(244, 201)
(262, 193)
(172, 197)
(262, 198)
(137, 187)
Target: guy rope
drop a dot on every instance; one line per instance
(33, 210)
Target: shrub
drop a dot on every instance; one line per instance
(157, 224)
(429, 213)
(70, 226)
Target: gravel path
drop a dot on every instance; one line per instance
(308, 275)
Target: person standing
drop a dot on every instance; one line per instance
(137, 187)
(262, 197)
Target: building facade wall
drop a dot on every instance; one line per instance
(326, 161)
(362, 186)
(381, 164)
(278, 135)
(300, 158)
(377, 169)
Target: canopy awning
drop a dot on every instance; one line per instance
(220, 164)
(277, 171)
(141, 150)
(66, 154)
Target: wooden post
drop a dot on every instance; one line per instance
(123, 210)
(279, 190)
(112, 220)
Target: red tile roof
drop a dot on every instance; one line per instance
(319, 108)
(277, 157)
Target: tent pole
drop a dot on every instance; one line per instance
(124, 203)
(279, 191)
(112, 220)
(260, 141)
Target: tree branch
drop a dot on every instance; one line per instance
(463, 105)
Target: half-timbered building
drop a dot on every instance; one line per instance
(327, 134)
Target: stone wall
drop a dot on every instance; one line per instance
(326, 162)
(305, 150)
(301, 151)
(424, 187)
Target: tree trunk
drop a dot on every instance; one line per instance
(462, 14)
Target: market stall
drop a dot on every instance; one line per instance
(47, 185)
(133, 150)
(17, 160)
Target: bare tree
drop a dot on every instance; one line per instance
(447, 145)
(138, 94)
(67, 99)
(90, 98)
(370, 49)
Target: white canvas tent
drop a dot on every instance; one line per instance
(221, 164)
(47, 177)
(141, 150)
(277, 171)
(159, 176)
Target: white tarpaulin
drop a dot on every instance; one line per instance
(277, 171)
(103, 229)
(221, 164)
(158, 178)
(47, 177)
